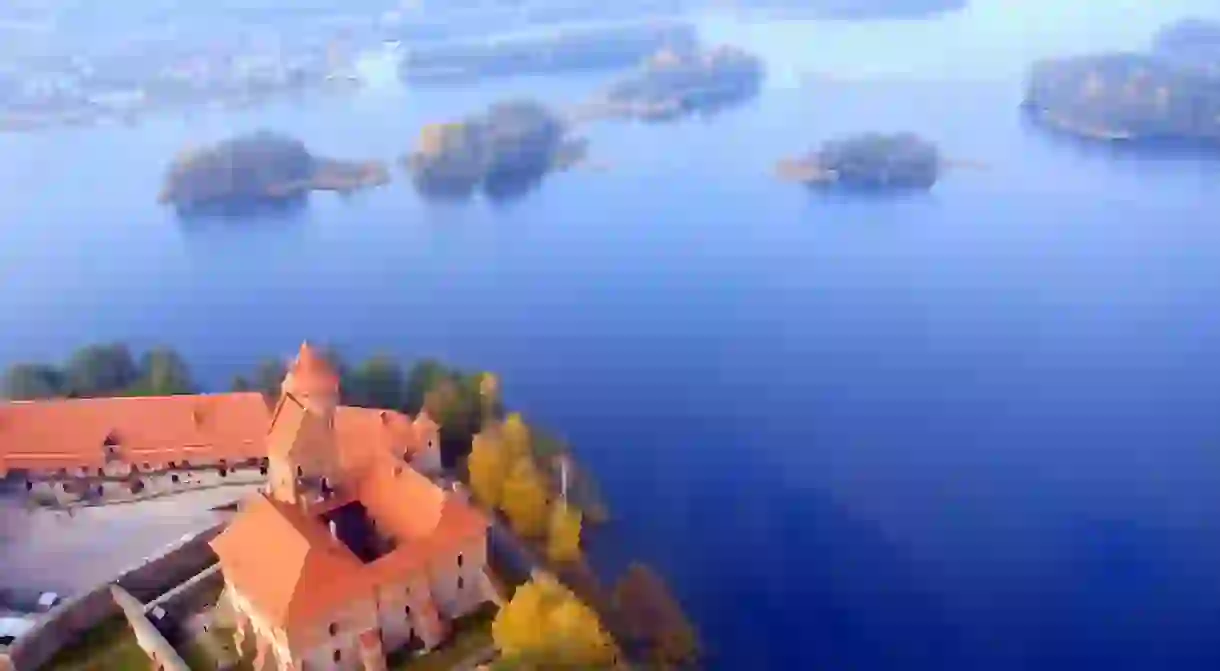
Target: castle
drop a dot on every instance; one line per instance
(348, 552)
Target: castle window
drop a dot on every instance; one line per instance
(300, 472)
(174, 478)
(460, 559)
(29, 486)
(461, 582)
(333, 628)
(406, 610)
(101, 473)
(338, 655)
(173, 464)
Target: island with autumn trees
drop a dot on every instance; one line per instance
(259, 170)
(507, 149)
(560, 613)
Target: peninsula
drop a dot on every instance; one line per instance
(677, 83)
(258, 169)
(870, 161)
(510, 147)
(1169, 95)
(540, 52)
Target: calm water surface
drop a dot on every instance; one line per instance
(972, 429)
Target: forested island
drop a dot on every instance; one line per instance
(563, 50)
(870, 161)
(256, 170)
(1169, 95)
(505, 150)
(677, 83)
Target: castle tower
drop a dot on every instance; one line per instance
(303, 460)
(314, 382)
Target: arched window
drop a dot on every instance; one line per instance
(460, 559)
(406, 610)
(300, 472)
(333, 628)
(461, 582)
(101, 473)
(338, 655)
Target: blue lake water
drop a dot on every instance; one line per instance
(972, 429)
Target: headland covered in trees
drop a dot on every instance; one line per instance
(675, 83)
(574, 49)
(521, 474)
(1169, 94)
(256, 170)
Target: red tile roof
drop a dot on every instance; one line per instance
(317, 573)
(68, 433)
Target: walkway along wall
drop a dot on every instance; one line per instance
(159, 574)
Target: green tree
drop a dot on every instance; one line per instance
(423, 377)
(377, 382)
(267, 377)
(28, 381)
(101, 370)
(164, 372)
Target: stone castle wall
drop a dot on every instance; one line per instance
(146, 582)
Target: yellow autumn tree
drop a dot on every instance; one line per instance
(488, 467)
(517, 440)
(516, 630)
(577, 636)
(524, 499)
(547, 625)
(563, 539)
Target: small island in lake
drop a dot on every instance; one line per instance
(1169, 95)
(256, 170)
(509, 148)
(871, 161)
(677, 83)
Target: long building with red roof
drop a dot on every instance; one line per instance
(116, 437)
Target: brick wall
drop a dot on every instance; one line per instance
(147, 581)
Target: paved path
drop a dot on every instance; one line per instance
(49, 550)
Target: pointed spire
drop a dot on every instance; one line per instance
(310, 373)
